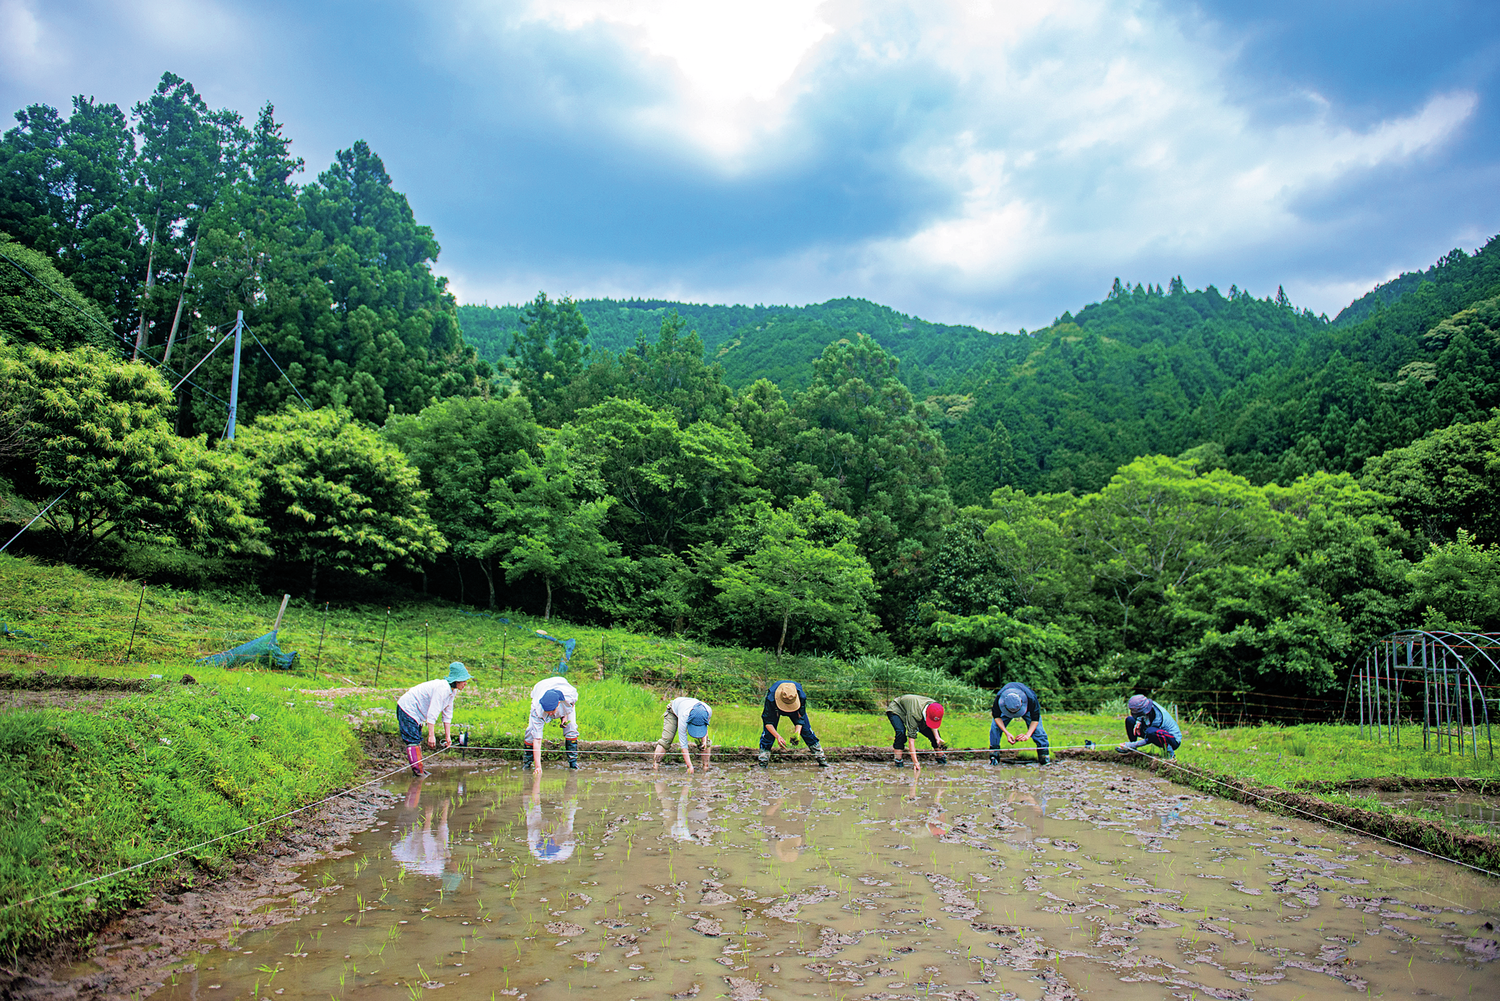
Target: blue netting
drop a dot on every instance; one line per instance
(261, 650)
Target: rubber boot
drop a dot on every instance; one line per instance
(526, 761)
(414, 755)
(572, 747)
(994, 757)
(1043, 758)
(819, 756)
(763, 759)
(898, 762)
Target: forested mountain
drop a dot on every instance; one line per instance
(754, 342)
(1175, 490)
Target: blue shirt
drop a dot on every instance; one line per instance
(1159, 718)
(1031, 712)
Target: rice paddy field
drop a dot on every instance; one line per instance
(1084, 879)
(1078, 881)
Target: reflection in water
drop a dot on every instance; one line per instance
(1094, 882)
(554, 841)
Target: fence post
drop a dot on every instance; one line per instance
(321, 633)
(381, 657)
(139, 602)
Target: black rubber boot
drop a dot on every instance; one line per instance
(763, 759)
(994, 757)
(526, 760)
(819, 756)
(572, 747)
(1043, 758)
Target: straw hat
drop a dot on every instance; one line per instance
(786, 697)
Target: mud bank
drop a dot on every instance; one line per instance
(1413, 832)
(387, 747)
(130, 956)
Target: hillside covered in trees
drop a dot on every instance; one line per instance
(1176, 490)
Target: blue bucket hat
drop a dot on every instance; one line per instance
(1139, 705)
(551, 699)
(697, 722)
(1012, 704)
(457, 672)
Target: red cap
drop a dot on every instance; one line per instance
(934, 714)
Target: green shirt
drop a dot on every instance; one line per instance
(911, 709)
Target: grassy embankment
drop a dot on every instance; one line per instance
(90, 785)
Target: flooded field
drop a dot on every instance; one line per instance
(1082, 880)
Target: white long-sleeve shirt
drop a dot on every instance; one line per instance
(429, 700)
(681, 707)
(564, 712)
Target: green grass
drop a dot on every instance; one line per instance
(1294, 756)
(115, 783)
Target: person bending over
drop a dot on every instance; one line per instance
(1149, 723)
(1017, 701)
(787, 701)
(422, 705)
(911, 715)
(686, 719)
(551, 699)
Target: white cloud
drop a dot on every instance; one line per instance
(1069, 134)
(734, 62)
(24, 50)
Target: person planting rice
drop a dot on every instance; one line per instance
(687, 719)
(422, 705)
(551, 698)
(911, 715)
(1149, 723)
(786, 699)
(1013, 701)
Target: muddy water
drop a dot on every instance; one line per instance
(1082, 880)
(1470, 807)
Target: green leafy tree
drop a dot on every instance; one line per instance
(1253, 629)
(993, 647)
(548, 355)
(38, 304)
(94, 431)
(1457, 586)
(462, 446)
(673, 484)
(803, 566)
(548, 523)
(1445, 481)
(878, 460)
(336, 495)
(1156, 526)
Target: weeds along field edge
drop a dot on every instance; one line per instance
(104, 785)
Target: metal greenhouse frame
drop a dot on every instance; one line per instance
(1448, 666)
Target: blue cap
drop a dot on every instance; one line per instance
(697, 721)
(1012, 704)
(1139, 705)
(551, 699)
(457, 672)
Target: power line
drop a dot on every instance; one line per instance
(97, 322)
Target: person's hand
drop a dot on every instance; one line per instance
(781, 742)
(1012, 738)
(690, 767)
(447, 742)
(432, 741)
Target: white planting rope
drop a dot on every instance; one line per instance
(162, 858)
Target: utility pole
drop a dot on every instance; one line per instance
(234, 379)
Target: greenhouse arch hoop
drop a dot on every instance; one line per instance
(1448, 667)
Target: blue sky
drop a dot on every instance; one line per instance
(979, 162)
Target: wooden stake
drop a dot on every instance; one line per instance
(381, 657)
(321, 633)
(140, 601)
(280, 612)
